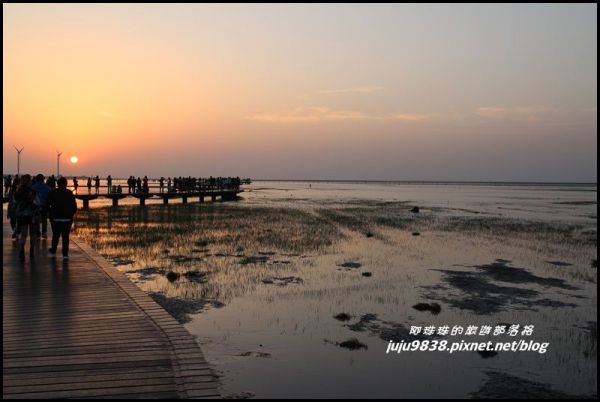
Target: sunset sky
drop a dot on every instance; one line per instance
(405, 92)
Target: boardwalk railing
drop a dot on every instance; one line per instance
(223, 195)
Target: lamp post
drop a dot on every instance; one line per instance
(19, 159)
(58, 154)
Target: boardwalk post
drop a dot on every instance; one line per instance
(201, 197)
(184, 199)
(165, 200)
(213, 197)
(86, 203)
(142, 201)
(115, 202)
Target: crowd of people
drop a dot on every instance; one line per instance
(34, 201)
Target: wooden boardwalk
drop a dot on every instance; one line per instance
(80, 329)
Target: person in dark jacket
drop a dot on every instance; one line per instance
(27, 204)
(62, 206)
(42, 190)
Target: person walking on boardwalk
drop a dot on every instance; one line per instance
(27, 204)
(42, 190)
(61, 207)
(12, 209)
(7, 184)
(75, 184)
(97, 184)
(89, 184)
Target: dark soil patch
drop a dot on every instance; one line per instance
(559, 263)
(183, 258)
(385, 330)
(434, 308)
(180, 308)
(119, 261)
(350, 265)
(486, 354)
(477, 293)
(282, 281)
(342, 317)
(351, 344)
(196, 276)
(255, 259)
(172, 276)
(146, 273)
(255, 354)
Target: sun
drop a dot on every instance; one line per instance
(74, 159)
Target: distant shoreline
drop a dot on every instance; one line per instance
(441, 182)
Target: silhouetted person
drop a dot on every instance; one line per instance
(145, 185)
(162, 184)
(89, 184)
(61, 207)
(51, 182)
(42, 190)
(109, 183)
(97, 184)
(139, 185)
(7, 184)
(27, 210)
(75, 184)
(12, 208)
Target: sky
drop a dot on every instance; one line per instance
(305, 91)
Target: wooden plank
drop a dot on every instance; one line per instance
(82, 329)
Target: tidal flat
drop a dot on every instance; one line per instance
(311, 282)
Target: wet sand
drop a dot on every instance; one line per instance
(292, 283)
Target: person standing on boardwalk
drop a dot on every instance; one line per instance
(139, 185)
(162, 184)
(97, 184)
(145, 181)
(51, 182)
(42, 190)
(109, 184)
(89, 184)
(62, 207)
(27, 205)
(75, 184)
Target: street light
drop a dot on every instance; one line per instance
(18, 159)
(58, 154)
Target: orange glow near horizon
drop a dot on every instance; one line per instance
(300, 91)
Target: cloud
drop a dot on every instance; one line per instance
(520, 113)
(310, 115)
(362, 90)
(322, 113)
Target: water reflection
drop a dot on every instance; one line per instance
(278, 338)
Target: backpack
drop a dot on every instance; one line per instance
(27, 204)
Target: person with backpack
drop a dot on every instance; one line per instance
(27, 208)
(61, 208)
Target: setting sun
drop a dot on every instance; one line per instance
(74, 159)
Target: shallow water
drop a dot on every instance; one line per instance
(271, 338)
